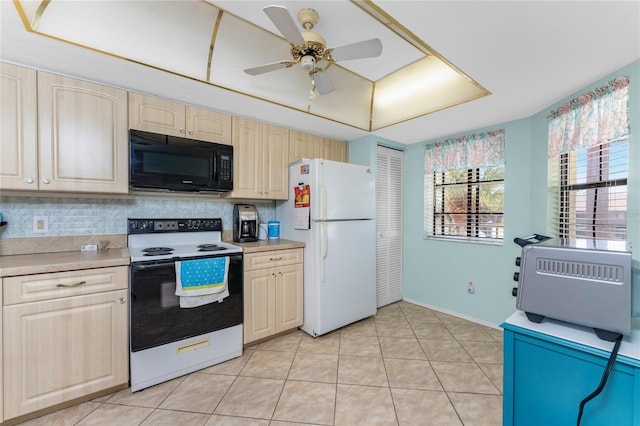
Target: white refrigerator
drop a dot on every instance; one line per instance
(331, 208)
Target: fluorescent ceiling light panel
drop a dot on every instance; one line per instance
(406, 81)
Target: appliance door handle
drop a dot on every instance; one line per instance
(153, 266)
(325, 250)
(323, 200)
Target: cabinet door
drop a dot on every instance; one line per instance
(303, 145)
(276, 162)
(59, 350)
(18, 140)
(156, 115)
(247, 158)
(289, 297)
(259, 304)
(207, 125)
(334, 150)
(82, 138)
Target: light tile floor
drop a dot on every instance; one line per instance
(408, 365)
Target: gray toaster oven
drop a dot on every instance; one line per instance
(585, 282)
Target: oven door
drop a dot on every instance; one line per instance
(156, 315)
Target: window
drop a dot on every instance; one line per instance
(588, 163)
(464, 188)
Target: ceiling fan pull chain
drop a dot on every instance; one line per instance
(312, 92)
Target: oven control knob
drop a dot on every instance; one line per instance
(516, 276)
(518, 259)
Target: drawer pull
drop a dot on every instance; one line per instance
(275, 258)
(71, 285)
(122, 300)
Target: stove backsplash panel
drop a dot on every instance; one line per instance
(69, 216)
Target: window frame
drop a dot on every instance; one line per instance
(568, 222)
(472, 211)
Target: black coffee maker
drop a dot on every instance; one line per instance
(245, 223)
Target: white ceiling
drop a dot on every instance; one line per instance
(528, 54)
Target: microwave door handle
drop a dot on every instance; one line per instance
(214, 175)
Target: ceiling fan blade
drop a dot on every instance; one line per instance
(361, 49)
(269, 67)
(283, 21)
(323, 84)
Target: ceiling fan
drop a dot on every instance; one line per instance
(310, 50)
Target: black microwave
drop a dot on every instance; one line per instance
(161, 162)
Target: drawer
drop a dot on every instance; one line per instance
(31, 288)
(268, 259)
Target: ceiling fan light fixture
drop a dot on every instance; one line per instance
(308, 63)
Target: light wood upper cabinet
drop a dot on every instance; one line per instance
(208, 125)
(82, 136)
(18, 128)
(304, 145)
(260, 160)
(68, 345)
(151, 114)
(335, 150)
(275, 167)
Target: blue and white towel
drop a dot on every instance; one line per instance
(202, 281)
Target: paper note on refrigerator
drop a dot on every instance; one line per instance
(301, 211)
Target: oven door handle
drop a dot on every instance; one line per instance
(152, 266)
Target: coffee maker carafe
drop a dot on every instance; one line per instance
(245, 223)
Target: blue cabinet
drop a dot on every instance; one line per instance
(550, 367)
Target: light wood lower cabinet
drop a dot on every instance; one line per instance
(67, 346)
(273, 285)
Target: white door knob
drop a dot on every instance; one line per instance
(46, 181)
(28, 180)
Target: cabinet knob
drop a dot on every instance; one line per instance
(121, 300)
(190, 132)
(46, 181)
(28, 180)
(181, 131)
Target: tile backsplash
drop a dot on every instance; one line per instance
(69, 216)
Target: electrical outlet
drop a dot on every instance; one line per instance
(40, 224)
(470, 288)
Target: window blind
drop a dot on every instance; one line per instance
(588, 192)
(588, 164)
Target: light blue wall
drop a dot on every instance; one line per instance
(86, 216)
(436, 272)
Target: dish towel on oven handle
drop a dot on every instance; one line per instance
(202, 281)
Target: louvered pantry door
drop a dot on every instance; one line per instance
(389, 226)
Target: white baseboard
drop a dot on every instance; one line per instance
(454, 314)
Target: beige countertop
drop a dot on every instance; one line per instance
(268, 245)
(39, 263)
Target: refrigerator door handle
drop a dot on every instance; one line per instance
(325, 250)
(323, 201)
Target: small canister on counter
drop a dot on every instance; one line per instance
(273, 229)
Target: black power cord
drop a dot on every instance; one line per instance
(605, 376)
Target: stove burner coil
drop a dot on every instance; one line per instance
(209, 247)
(157, 251)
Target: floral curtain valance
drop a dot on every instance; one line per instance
(465, 152)
(590, 119)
